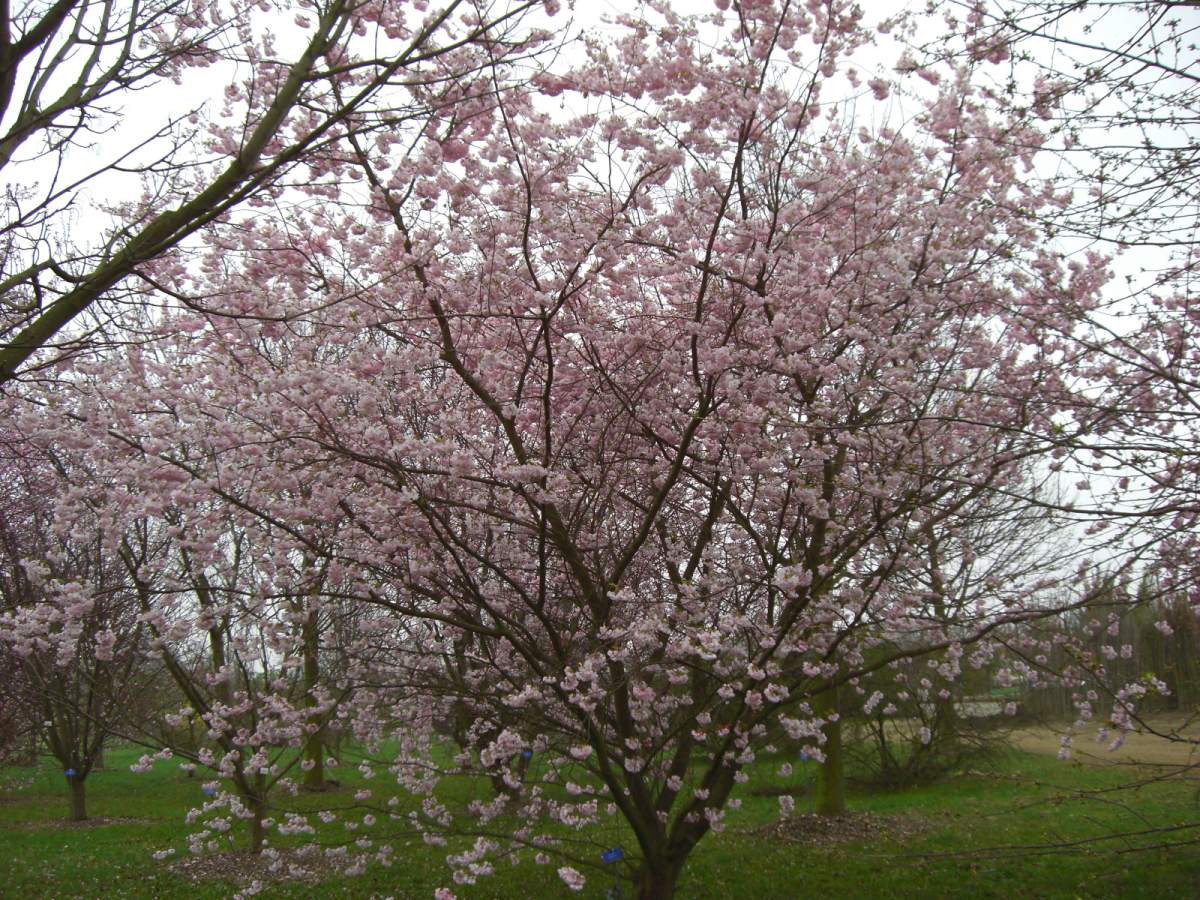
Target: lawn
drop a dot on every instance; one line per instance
(952, 839)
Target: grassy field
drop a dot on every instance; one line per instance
(980, 834)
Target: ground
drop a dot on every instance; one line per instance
(1140, 748)
(1024, 824)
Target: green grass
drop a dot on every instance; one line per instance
(1022, 800)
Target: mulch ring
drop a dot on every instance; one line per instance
(812, 830)
(306, 864)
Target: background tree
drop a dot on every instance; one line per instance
(235, 620)
(19, 721)
(916, 724)
(68, 624)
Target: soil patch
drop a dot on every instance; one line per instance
(306, 865)
(812, 830)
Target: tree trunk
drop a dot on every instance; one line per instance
(258, 833)
(314, 744)
(77, 798)
(831, 776)
(314, 756)
(657, 881)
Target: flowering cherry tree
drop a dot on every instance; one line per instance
(641, 424)
(239, 609)
(73, 650)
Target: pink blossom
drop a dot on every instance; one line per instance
(453, 150)
(571, 878)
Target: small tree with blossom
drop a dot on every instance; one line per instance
(68, 624)
(253, 677)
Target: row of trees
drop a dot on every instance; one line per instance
(636, 412)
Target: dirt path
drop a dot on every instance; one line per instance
(1139, 748)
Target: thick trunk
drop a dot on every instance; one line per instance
(258, 833)
(77, 798)
(831, 776)
(657, 881)
(314, 757)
